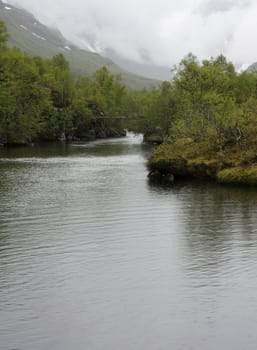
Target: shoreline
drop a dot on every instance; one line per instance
(188, 161)
(63, 140)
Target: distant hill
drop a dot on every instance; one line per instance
(36, 39)
(252, 67)
(148, 70)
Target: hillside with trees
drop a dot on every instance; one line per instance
(41, 100)
(208, 114)
(36, 39)
(205, 117)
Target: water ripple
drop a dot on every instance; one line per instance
(94, 257)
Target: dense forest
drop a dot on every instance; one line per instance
(205, 117)
(41, 99)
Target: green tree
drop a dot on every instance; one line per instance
(23, 99)
(3, 35)
(58, 79)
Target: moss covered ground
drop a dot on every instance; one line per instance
(188, 159)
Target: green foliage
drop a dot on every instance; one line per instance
(186, 158)
(239, 175)
(110, 90)
(22, 98)
(208, 111)
(205, 100)
(81, 62)
(213, 123)
(3, 35)
(41, 99)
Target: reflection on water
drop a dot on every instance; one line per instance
(93, 256)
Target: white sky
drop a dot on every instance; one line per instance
(162, 31)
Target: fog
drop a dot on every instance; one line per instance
(159, 32)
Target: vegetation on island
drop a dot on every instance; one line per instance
(205, 118)
(212, 118)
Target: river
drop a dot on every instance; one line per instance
(94, 257)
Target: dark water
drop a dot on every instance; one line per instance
(94, 257)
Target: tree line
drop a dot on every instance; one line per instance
(40, 99)
(205, 101)
(208, 115)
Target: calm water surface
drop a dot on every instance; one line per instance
(94, 257)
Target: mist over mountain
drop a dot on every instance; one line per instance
(155, 33)
(31, 36)
(147, 69)
(88, 42)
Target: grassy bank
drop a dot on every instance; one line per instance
(188, 159)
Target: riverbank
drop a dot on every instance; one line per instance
(188, 159)
(92, 134)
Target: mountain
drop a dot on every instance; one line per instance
(36, 39)
(252, 67)
(146, 69)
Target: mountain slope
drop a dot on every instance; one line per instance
(148, 70)
(252, 67)
(36, 39)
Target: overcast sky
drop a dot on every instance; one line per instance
(161, 31)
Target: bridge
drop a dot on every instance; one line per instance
(119, 117)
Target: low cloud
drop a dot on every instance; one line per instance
(161, 32)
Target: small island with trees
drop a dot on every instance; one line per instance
(204, 119)
(213, 124)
